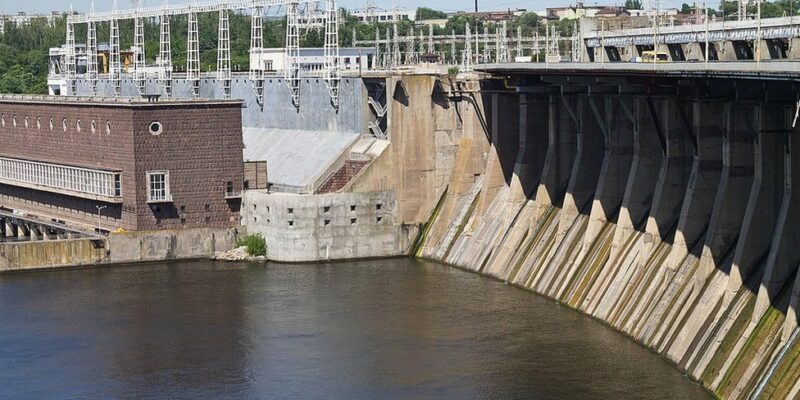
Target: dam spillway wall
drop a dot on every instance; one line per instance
(666, 210)
(315, 112)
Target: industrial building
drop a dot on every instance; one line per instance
(312, 59)
(132, 164)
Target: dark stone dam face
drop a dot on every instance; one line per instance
(382, 329)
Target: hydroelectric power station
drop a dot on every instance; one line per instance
(660, 198)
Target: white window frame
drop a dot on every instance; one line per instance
(167, 197)
(59, 178)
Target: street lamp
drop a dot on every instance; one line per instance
(99, 218)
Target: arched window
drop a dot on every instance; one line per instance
(108, 127)
(64, 124)
(14, 121)
(39, 123)
(51, 123)
(78, 125)
(3, 120)
(26, 122)
(94, 126)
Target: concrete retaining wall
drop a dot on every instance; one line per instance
(21, 256)
(170, 244)
(118, 248)
(303, 228)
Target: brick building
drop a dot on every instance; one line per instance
(122, 163)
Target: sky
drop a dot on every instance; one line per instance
(45, 6)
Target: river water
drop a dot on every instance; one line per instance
(385, 329)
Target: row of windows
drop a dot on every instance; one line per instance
(327, 222)
(325, 209)
(65, 124)
(82, 180)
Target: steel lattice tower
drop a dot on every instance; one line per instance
(256, 51)
(165, 56)
(331, 49)
(91, 53)
(292, 69)
(193, 55)
(224, 54)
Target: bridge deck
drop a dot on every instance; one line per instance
(768, 70)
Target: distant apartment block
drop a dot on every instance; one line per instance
(122, 164)
(312, 59)
(492, 16)
(23, 18)
(374, 14)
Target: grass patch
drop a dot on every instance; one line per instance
(255, 244)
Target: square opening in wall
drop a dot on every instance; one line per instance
(326, 209)
(378, 206)
(291, 211)
(352, 208)
(327, 222)
(353, 221)
(291, 223)
(379, 219)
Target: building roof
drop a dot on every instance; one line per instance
(111, 101)
(613, 11)
(296, 159)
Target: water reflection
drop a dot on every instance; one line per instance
(378, 329)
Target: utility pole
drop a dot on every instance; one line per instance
(705, 56)
(758, 36)
(99, 218)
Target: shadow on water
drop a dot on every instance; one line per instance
(380, 329)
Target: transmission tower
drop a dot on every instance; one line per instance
(224, 53)
(115, 65)
(292, 69)
(138, 49)
(91, 52)
(331, 51)
(742, 12)
(256, 51)
(193, 54)
(165, 54)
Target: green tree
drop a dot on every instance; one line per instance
(728, 8)
(424, 13)
(633, 4)
(529, 22)
(459, 23)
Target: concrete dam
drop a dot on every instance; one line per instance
(662, 206)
